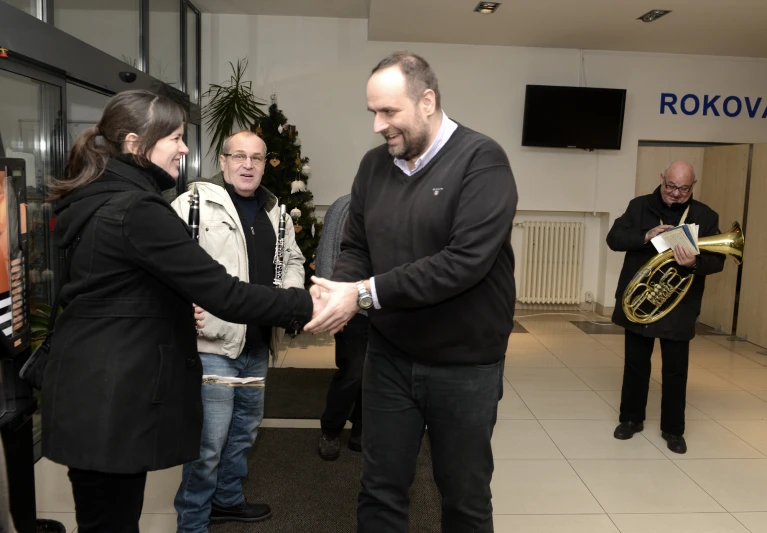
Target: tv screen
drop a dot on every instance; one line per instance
(573, 117)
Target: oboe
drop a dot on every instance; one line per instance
(279, 251)
(194, 213)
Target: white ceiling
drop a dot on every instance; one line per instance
(709, 27)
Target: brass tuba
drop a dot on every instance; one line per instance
(653, 286)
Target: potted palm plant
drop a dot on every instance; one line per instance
(231, 106)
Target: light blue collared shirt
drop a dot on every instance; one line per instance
(446, 130)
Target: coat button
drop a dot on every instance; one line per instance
(191, 362)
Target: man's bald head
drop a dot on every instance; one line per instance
(676, 182)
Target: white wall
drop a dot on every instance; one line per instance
(319, 68)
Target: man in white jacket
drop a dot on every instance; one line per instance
(238, 228)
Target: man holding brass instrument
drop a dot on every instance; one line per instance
(670, 205)
(239, 226)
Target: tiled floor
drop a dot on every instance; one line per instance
(558, 468)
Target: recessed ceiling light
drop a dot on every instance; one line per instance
(486, 8)
(653, 15)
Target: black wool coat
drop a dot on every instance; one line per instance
(627, 235)
(121, 390)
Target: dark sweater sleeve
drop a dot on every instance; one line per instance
(157, 241)
(626, 235)
(481, 225)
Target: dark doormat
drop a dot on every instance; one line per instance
(296, 392)
(309, 495)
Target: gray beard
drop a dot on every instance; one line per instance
(415, 147)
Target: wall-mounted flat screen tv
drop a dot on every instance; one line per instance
(573, 117)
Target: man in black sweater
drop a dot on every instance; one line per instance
(427, 247)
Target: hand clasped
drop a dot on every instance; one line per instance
(335, 303)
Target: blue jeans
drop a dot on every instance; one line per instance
(458, 406)
(231, 416)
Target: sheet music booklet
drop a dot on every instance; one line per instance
(685, 235)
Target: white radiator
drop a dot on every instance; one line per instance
(552, 258)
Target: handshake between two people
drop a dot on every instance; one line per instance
(335, 303)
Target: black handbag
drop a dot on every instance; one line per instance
(32, 371)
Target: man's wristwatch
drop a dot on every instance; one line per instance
(364, 299)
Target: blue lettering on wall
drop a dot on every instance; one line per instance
(737, 109)
(710, 104)
(686, 98)
(752, 110)
(706, 105)
(667, 99)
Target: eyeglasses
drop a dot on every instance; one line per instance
(671, 188)
(239, 157)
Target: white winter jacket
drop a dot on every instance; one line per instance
(221, 235)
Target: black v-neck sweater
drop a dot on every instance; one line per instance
(439, 246)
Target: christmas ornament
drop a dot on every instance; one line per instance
(297, 186)
(274, 162)
(311, 265)
(312, 230)
(298, 228)
(295, 213)
(3, 52)
(273, 98)
(298, 161)
(259, 130)
(306, 170)
(297, 141)
(279, 128)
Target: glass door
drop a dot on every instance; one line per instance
(32, 129)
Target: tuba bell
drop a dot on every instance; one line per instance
(654, 292)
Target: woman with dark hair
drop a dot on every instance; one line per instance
(121, 389)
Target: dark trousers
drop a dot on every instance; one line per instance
(107, 503)
(458, 405)
(344, 399)
(636, 381)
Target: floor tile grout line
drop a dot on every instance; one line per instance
(718, 422)
(741, 523)
(698, 484)
(580, 478)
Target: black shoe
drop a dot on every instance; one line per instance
(675, 443)
(626, 430)
(329, 447)
(245, 512)
(355, 440)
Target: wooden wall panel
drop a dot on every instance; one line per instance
(752, 318)
(723, 190)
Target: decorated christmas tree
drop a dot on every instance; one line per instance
(286, 175)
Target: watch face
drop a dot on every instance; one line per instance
(365, 302)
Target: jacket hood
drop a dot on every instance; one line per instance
(121, 174)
